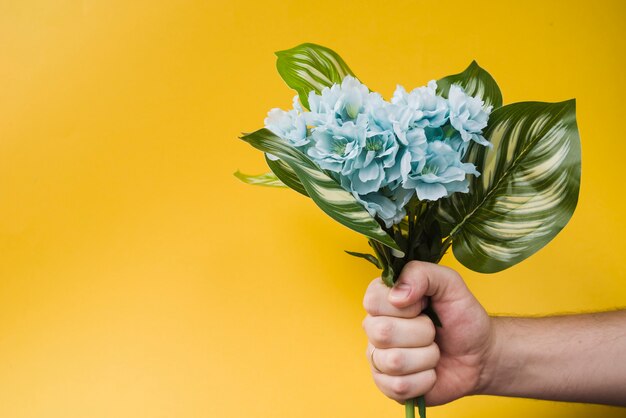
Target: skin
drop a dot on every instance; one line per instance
(577, 358)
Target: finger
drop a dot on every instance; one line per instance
(403, 361)
(419, 279)
(376, 302)
(390, 332)
(406, 387)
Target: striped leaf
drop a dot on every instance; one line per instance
(309, 67)
(267, 179)
(324, 190)
(286, 175)
(528, 189)
(476, 82)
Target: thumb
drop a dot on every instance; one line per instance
(419, 279)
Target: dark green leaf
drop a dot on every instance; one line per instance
(421, 406)
(286, 175)
(388, 276)
(368, 257)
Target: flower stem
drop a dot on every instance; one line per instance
(409, 407)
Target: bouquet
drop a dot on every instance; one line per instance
(443, 165)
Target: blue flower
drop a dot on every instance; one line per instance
(386, 153)
(456, 143)
(336, 147)
(290, 126)
(386, 205)
(425, 108)
(467, 115)
(339, 103)
(411, 140)
(443, 174)
(377, 156)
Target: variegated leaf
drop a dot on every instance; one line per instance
(309, 67)
(286, 175)
(476, 82)
(267, 179)
(338, 203)
(528, 189)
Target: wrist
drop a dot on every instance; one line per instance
(489, 365)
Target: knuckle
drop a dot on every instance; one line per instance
(415, 268)
(394, 361)
(452, 276)
(455, 275)
(382, 333)
(413, 265)
(399, 387)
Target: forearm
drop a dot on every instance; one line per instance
(579, 358)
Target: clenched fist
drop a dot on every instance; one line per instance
(409, 357)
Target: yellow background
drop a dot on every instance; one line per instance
(139, 278)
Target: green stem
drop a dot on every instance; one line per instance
(410, 408)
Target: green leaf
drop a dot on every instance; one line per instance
(528, 189)
(309, 67)
(421, 406)
(386, 260)
(267, 179)
(476, 82)
(368, 257)
(338, 203)
(286, 175)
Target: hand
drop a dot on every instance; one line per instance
(411, 357)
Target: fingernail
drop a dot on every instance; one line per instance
(400, 291)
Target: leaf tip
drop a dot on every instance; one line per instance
(238, 174)
(571, 102)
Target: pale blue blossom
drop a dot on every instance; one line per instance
(411, 140)
(467, 115)
(425, 108)
(376, 158)
(443, 174)
(336, 147)
(339, 103)
(386, 205)
(387, 152)
(456, 143)
(290, 126)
